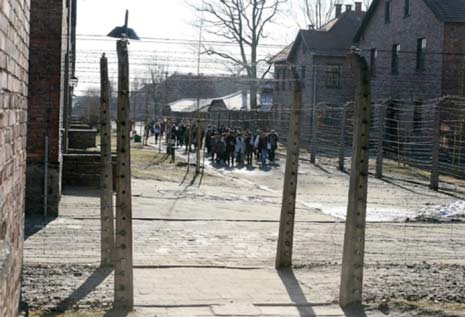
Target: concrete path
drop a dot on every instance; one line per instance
(206, 246)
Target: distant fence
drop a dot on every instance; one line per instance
(402, 131)
(232, 119)
(406, 132)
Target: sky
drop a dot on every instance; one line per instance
(164, 26)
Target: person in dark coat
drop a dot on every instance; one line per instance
(263, 147)
(180, 134)
(273, 145)
(157, 131)
(230, 146)
(222, 149)
(248, 140)
(208, 140)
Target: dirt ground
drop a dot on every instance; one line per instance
(205, 242)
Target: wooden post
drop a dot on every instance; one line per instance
(434, 181)
(124, 284)
(107, 234)
(286, 224)
(342, 136)
(188, 145)
(354, 239)
(381, 109)
(146, 118)
(314, 120)
(198, 146)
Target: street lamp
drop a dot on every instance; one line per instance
(124, 283)
(122, 32)
(73, 82)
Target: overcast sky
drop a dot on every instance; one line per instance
(157, 20)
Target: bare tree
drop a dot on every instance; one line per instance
(87, 106)
(367, 4)
(242, 22)
(317, 12)
(155, 74)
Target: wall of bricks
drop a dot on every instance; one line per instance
(48, 46)
(14, 43)
(454, 61)
(405, 31)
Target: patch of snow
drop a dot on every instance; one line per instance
(450, 212)
(375, 213)
(265, 188)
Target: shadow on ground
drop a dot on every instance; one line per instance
(34, 223)
(303, 305)
(91, 283)
(81, 191)
(296, 294)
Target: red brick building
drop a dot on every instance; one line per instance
(51, 63)
(14, 51)
(415, 48)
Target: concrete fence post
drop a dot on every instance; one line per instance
(124, 284)
(381, 114)
(314, 120)
(354, 238)
(342, 136)
(286, 224)
(107, 234)
(434, 180)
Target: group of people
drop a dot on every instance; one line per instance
(235, 147)
(225, 146)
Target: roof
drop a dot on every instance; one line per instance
(233, 101)
(443, 10)
(448, 10)
(334, 38)
(282, 55)
(190, 105)
(190, 86)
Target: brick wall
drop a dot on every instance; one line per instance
(454, 62)
(408, 83)
(48, 46)
(14, 41)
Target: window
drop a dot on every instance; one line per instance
(406, 8)
(395, 59)
(387, 12)
(303, 75)
(333, 76)
(421, 48)
(283, 86)
(291, 80)
(278, 72)
(373, 57)
(417, 120)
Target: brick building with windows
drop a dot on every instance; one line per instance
(320, 57)
(51, 62)
(415, 48)
(14, 52)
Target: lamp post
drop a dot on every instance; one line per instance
(123, 265)
(73, 83)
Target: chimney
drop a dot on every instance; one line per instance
(358, 6)
(338, 7)
(348, 7)
(311, 27)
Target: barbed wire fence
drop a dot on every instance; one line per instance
(419, 139)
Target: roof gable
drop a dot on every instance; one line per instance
(334, 38)
(443, 10)
(448, 10)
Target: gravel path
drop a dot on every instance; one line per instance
(228, 220)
